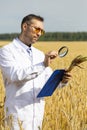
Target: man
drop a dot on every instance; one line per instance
(25, 70)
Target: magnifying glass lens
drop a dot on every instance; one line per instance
(62, 51)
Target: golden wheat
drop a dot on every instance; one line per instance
(66, 109)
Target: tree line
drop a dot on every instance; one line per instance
(52, 36)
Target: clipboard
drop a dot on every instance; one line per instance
(51, 84)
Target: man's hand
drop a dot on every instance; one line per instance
(67, 76)
(49, 57)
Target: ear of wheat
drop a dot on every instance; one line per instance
(76, 62)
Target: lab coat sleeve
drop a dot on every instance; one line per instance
(13, 71)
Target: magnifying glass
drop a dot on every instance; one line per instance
(63, 51)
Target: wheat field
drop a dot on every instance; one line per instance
(66, 109)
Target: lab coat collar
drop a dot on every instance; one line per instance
(21, 46)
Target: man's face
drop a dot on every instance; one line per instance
(32, 31)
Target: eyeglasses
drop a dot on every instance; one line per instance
(37, 29)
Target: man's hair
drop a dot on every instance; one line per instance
(29, 17)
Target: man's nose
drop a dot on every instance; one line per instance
(39, 33)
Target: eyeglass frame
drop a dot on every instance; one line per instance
(37, 29)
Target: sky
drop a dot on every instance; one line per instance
(59, 15)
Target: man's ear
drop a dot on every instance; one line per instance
(24, 26)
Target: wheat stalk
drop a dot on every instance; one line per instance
(76, 62)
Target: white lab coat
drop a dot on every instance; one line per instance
(23, 79)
